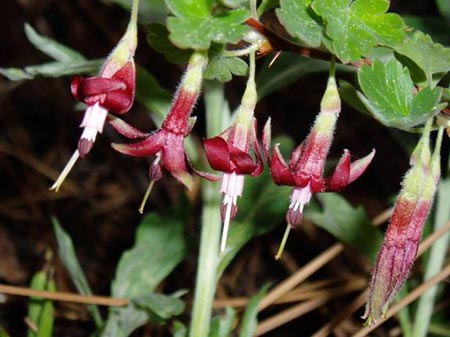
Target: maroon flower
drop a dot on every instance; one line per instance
(167, 143)
(305, 169)
(111, 91)
(236, 153)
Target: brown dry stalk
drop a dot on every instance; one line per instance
(288, 315)
(412, 296)
(62, 296)
(302, 293)
(361, 299)
(301, 275)
(300, 309)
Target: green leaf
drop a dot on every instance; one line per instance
(161, 305)
(179, 329)
(355, 27)
(70, 261)
(300, 21)
(444, 8)
(190, 8)
(222, 326)
(3, 332)
(150, 11)
(54, 49)
(159, 247)
(51, 69)
(249, 320)
(266, 5)
(431, 57)
(389, 95)
(223, 68)
(263, 206)
(348, 224)
(41, 311)
(158, 39)
(350, 95)
(193, 25)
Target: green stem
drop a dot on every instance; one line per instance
(435, 261)
(206, 282)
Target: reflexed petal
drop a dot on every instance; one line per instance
(359, 166)
(147, 147)
(295, 156)
(267, 140)
(341, 174)
(175, 160)
(279, 170)
(125, 129)
(217, 154)
(259, 163)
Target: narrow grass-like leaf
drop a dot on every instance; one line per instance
(249, 320)
(52, 48)
(72, 265)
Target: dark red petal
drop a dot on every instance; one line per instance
(217, 154)
(242, 161)
(75, 86)
(93, 86)
(279, 170)
(175, 159)
(120, 101)
(147, 147)
(125, 129)
(341, 174)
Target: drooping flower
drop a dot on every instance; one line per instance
(236, 153)
(399, 249)
(167, 143)
(111, 91)
(306, 166)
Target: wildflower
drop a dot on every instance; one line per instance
(236, 153)
(167, 143)
(111, 91)
(399, 249)
(305, 169)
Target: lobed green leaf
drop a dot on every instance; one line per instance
(300, 21)
(356, 27)
(389, 95)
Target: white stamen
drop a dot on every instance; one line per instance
(65, 171)
(227, 200)
(300, 197)
(93, 121)
(232, 187)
